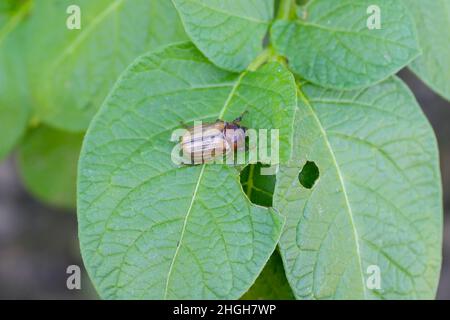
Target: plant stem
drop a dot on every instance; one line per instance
(286, 11)
(261, 59)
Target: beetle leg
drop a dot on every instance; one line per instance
(189, 164)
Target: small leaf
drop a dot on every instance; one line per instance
(229, 32)
(433, 23)
(73, 70)
(334, 47)
(377, 202)
(14, 105)
(48, 165)
(150, 229)
(271, 283)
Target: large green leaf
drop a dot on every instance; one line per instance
(229, 32)
(14, 105)
(73, 70)
(333, 46)
(433, 23)
(48, 165)
(151, 229)
(271, 283)
(377, 201)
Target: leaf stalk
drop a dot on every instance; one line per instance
(287, 10)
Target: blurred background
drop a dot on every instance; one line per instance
(38, 243)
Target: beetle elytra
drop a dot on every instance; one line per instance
(207, 142)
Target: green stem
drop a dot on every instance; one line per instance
(265, 56)
(286, 11)
(269, 54)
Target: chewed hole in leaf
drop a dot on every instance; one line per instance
(308, 175)
(258, 184)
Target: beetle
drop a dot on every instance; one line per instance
(207, 142)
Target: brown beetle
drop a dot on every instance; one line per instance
(207, 142)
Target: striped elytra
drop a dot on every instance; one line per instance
(210, 141)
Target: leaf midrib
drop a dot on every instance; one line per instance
(183, 230)
(344, 189)
(194, 195)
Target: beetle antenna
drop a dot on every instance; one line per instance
(184, 125)
(239, 119)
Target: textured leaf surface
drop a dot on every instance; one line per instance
(377, 200)
(75, 69)
(433, 22)
(149, 229)
(48, 165)
(229, 32)
(14, 105)
(271, 283)
(334, 47)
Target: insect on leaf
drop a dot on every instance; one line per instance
(152, 229)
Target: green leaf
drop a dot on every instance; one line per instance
(14, 105)
(334, 47)
(377, 202)
(151, 229)
(271, 283)
(48, 165)
(73, 70)
(11, 6)
(433, 23)
(231, 32)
